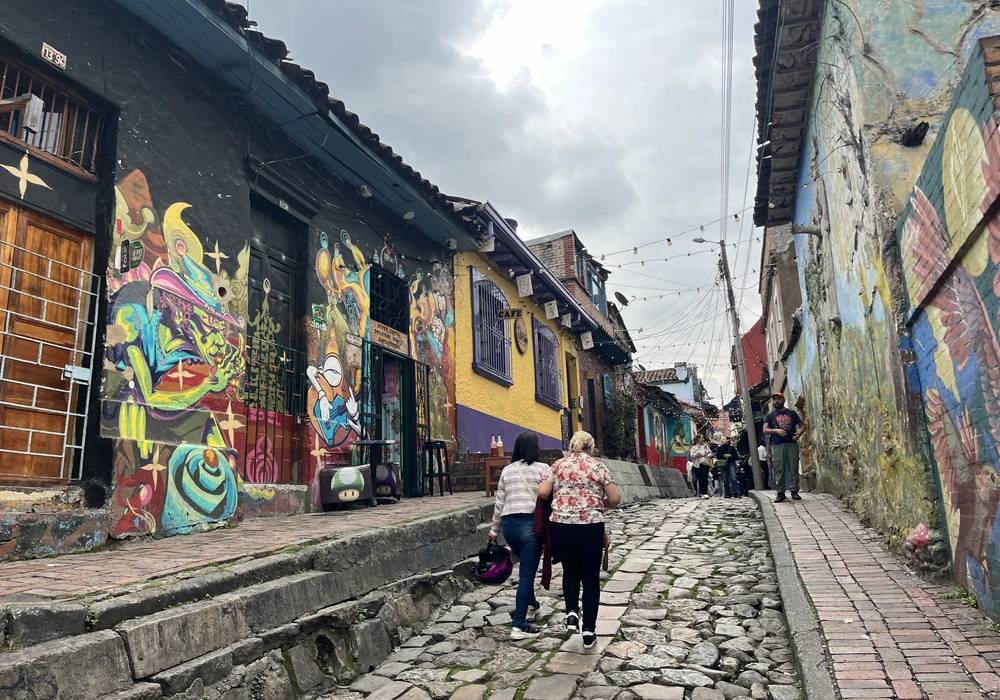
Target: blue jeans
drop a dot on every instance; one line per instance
(729, 477)
(519, 533)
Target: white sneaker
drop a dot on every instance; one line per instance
(573, 622)
(527, 632)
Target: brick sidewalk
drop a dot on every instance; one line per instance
(76, 575)
(889, 633)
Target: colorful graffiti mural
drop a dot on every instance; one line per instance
(335, 346)
(432, 337)
(174, 361)
(679, 448)
(951, 253)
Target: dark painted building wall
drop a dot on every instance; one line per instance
(248, 293)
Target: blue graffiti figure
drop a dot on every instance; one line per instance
(336, 416)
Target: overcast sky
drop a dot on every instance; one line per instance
(597, 115)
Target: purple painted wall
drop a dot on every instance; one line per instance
(475, 429)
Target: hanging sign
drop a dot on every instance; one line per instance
(587, 340)
(389, 338)
(551, 309)
(567, 320)
(510, 313)
(520, 335)
(524, 285)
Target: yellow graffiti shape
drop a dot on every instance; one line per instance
(962, 176)
(942, 357)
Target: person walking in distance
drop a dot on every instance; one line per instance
(581, 487)
(765, 470)
(782, 427)
(514, 515)
(725, 455)
(701, 457)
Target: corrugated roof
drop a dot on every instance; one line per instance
(236, 16)
(658, 376)
(786, 40)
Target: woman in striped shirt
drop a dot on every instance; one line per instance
(513, 515)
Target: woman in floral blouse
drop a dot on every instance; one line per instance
(581, 488)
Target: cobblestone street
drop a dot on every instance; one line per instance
(690, 610)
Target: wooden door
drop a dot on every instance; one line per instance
(45, 302)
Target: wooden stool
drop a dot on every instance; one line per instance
(435, 462)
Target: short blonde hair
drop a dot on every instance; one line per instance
(582, 441)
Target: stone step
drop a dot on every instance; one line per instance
(309, 617)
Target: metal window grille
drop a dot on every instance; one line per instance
(48, 377)
(275, 409)
(70, 128)
(548, 387)
(491, 340)
(390, 300)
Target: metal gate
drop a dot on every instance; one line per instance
(48, 317)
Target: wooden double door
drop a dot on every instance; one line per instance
(48, 299)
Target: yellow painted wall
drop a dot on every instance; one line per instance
(516, 403)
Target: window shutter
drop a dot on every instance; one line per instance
(476, 332)
(608, 389)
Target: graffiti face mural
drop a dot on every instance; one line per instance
(173, 366)
(335, 376)
(951, 254)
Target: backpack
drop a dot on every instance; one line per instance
(495, 564)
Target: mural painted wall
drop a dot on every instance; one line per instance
(848, 373)
(949, 236)
(485, 407)
(339, 325)
(174, 360)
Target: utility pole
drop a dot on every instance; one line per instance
(741, 369)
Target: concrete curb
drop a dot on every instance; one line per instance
(803, 622)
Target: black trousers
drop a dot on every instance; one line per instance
(702, 474)
(580, 548)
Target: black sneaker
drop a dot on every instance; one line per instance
(796, 496)
(589, 639)
(526, 632)
(573, 622)
(533, 609)
(781, 498)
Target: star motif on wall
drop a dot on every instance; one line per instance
(231, 423)
(155, 467)
(180, 374)
(218, 256)
(24, 178)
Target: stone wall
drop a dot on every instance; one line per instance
(275, 627)
(949, 240)
(850, 371)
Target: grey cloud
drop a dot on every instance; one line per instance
(624, 149)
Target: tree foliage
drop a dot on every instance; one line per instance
(619, 425)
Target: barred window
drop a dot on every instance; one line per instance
(548, 383)
(490, 336)
(67, 128)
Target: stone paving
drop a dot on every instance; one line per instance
(75, 575)
(889, 633)
(690, 611)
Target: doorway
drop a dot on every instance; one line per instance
(48, 308)
(275, 384)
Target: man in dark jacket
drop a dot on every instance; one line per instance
(726, 453)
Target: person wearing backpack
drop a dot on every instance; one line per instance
(514, 516)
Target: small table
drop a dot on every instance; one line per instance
(494, 465)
